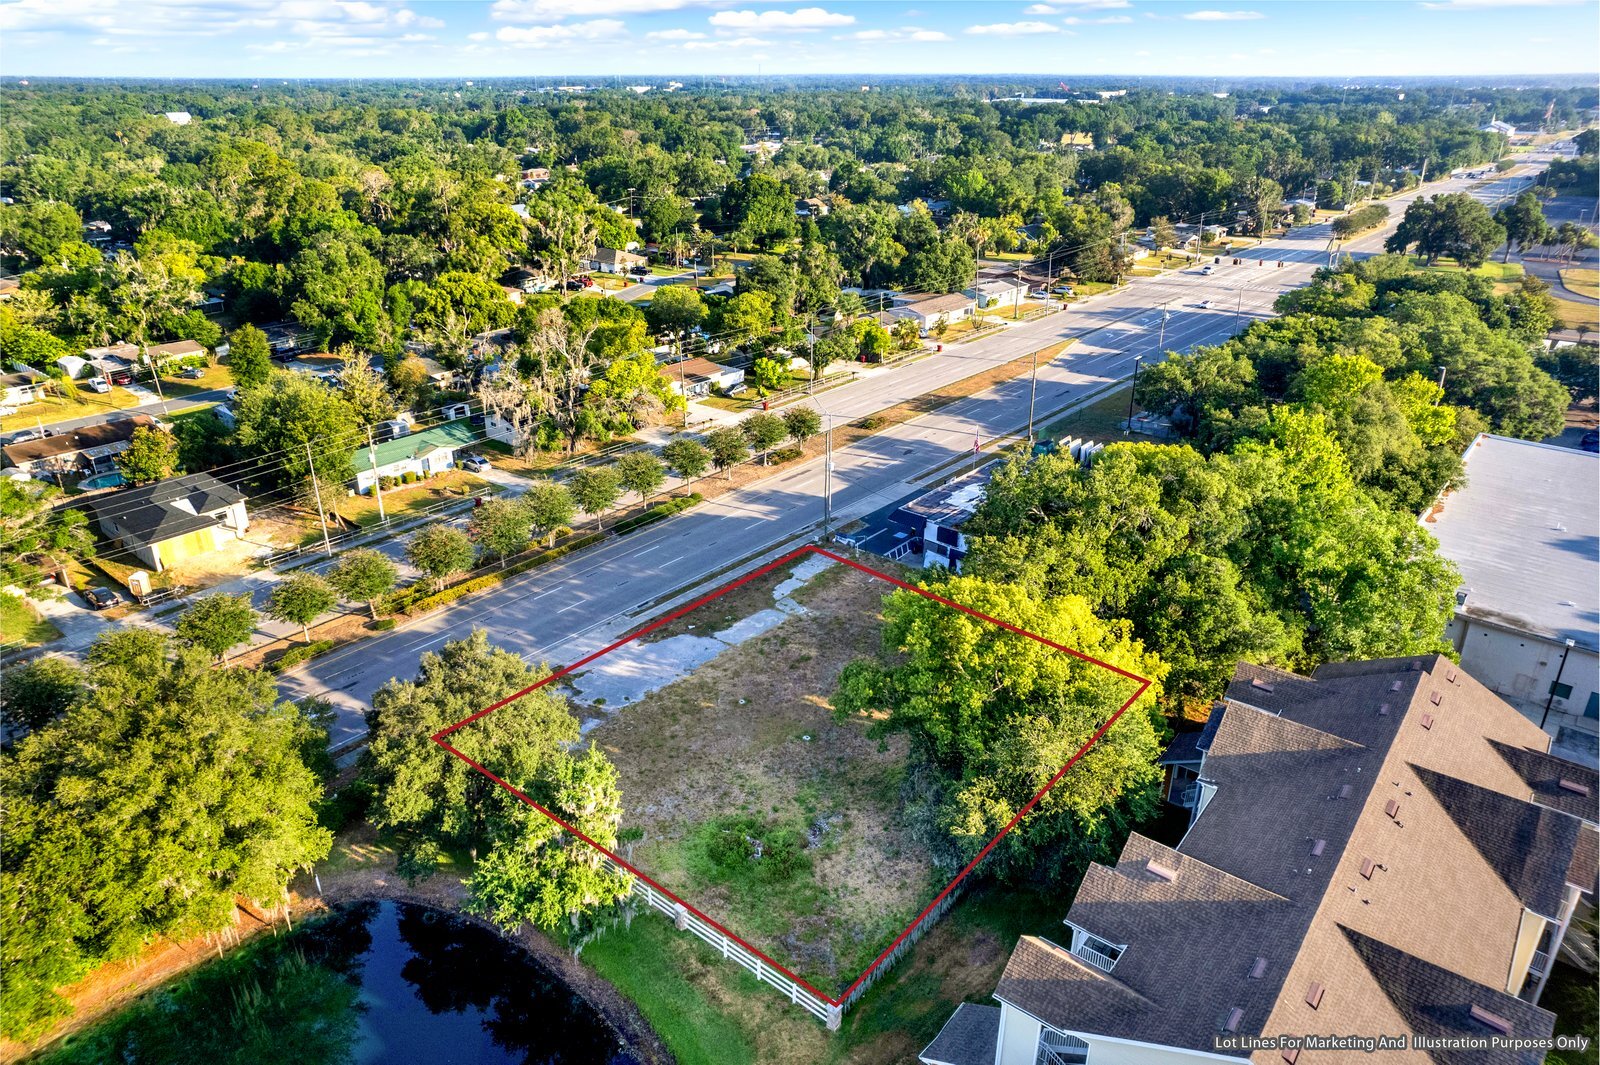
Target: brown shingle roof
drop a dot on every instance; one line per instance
(1345, 845)
(74, 441)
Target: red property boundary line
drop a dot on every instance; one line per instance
(1143, 683)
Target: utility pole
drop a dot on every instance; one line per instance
(1033, 388)
(377, 482)
(683, 388)
(1238, 309)
(1127, 428)
(316, 488)
(1016, 300)
(155, 372)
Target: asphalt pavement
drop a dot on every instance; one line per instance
(560, 612)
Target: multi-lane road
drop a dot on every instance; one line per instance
(560, 612)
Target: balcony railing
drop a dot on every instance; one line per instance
(1540, 963)
(1099, 959)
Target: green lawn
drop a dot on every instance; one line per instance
(86, 403)
(1100, 421)
(709, 1011)
(21, 626)
(1494, 271)
(1583, 282)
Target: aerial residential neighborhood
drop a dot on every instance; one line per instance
(764, 534)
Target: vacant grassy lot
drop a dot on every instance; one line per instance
(746, 797)
(21, 626)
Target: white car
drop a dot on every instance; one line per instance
(1204, 305)
(98, 384)
(1208, 270)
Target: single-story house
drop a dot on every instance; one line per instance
(1031, 232)
(696, 377)
(927, 312)
(721, 288)
(84, 452)
(612, 261)
(164, 523)
(534, 176)
(23, 386)
(161, 354)
(424, 454)
(998, 293)
(811, 207)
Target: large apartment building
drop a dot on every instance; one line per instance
(1383, 848)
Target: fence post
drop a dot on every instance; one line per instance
(680, 917)
(835, 1017)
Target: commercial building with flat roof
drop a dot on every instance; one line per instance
(1525, 532)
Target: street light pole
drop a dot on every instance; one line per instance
(1238, 310)
(827, 479)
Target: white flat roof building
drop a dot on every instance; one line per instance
(1525, 533)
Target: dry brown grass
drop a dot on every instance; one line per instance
(752, 732)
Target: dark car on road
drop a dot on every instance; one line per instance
(102, 598)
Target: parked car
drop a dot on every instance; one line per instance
(641, 270)
(27, 436)
(1039, 294)
(98, 384)
(475, 463)
(1063, 290)
(102, 598)
(193, 373)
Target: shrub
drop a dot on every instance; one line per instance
(657, 513)
(745, 848)
(410, 477)
(424, 602)
(785, 454)
(383, 624)
(304, 653)
(386, 483)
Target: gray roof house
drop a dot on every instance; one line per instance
(164, 523)
(1373, 851)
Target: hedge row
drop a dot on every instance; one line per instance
(1360, 220)
(657, 513)
(489, 580)
(304, 653)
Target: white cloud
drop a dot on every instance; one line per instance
(546, 11)
(1104, 20)
(675, 35)
(322, 22)
(805, 18)
(479, 36)
(1479, 5)
(1143, 53)
(1057, 7)
(599, 29)
(725, 43)
(1013, 29)
(1223, 16)
(908, 33)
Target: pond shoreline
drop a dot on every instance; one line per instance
(440, 893)
(618, 1012)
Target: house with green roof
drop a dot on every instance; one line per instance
(426, 453)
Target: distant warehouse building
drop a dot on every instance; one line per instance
(1525, 533)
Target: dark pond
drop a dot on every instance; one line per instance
(371, 984)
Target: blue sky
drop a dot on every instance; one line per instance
(426, 38)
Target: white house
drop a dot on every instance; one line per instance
(612, 261)
(424, 454)
(998, 293)
(23, 386)
(1523, 532)
(928, 310)
(696, 377)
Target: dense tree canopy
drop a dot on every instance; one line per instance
(166, 790)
